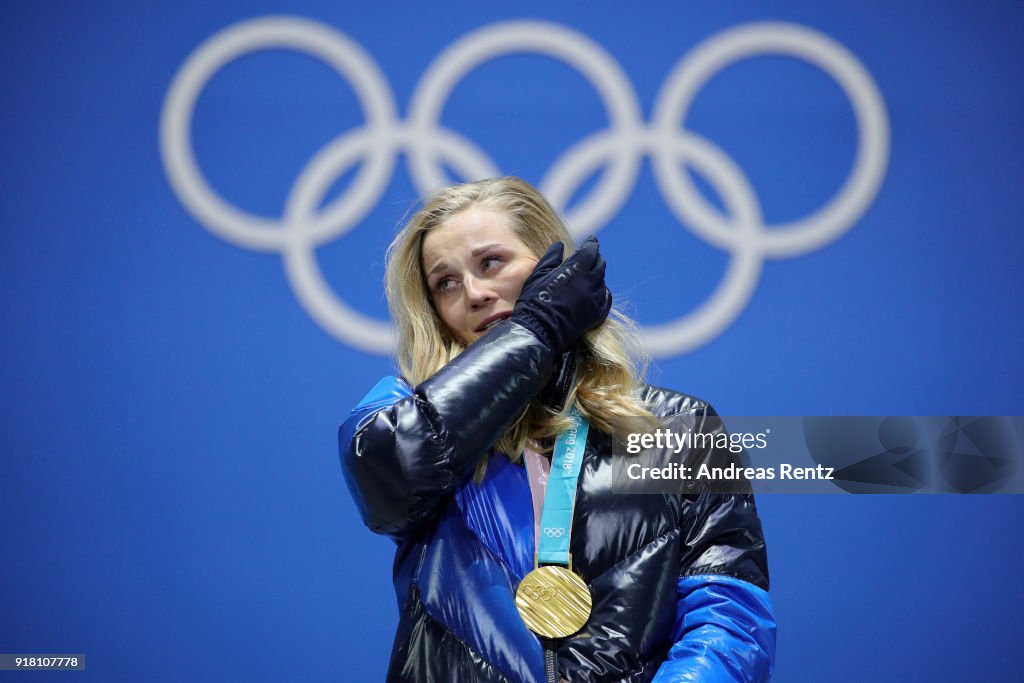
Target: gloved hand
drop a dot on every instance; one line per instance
(557, 390)
(563, 299)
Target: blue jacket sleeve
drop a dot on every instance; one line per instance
(724, 628)
(403, 449)
(724, 633)
(384, 394)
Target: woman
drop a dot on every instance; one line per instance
(508, 355)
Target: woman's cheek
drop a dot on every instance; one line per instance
(521, 277)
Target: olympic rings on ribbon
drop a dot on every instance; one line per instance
(622, 147)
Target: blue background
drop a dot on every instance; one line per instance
(170, 498)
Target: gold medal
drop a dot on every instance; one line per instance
(554, 602)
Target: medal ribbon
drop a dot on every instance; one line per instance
(554, 491)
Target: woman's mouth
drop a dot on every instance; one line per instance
(493, 320)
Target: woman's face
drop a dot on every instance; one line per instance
(475, 267)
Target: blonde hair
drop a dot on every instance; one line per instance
(609, 358)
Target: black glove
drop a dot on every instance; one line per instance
(557, 390)
(563, 299)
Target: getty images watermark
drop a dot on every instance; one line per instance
(667, 441)
(896, 454)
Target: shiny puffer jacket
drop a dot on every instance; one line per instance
(678, 581)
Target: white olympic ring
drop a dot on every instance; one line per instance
(375, 147)
(554, 532)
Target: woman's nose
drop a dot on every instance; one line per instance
(477, 292)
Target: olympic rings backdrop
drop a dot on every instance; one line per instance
(810, 209)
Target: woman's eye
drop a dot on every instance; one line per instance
(491, 262)
(444, 285)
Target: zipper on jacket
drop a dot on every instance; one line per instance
(550, 660)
